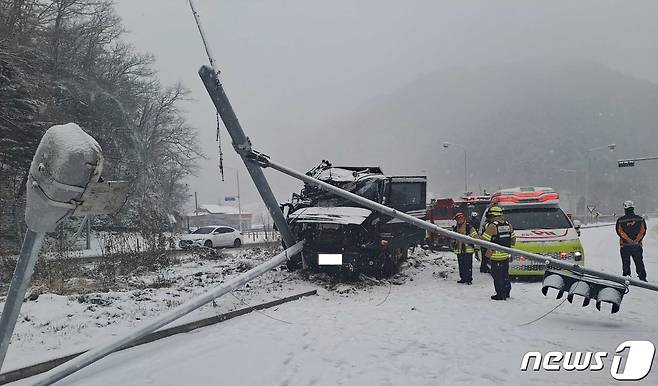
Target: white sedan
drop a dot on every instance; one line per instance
(211, 237)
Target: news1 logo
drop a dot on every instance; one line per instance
(635, 356)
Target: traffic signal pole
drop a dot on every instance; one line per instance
(630, 162)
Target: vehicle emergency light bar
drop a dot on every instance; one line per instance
(524, 196)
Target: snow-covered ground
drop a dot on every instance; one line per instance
(428, 331)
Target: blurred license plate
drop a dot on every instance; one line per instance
(330, 259)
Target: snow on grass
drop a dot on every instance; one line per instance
(54, 325)
(427, 331)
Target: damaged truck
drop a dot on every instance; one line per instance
(344, 238)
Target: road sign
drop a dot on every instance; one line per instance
(626, 164)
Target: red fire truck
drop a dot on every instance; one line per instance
(442, 212)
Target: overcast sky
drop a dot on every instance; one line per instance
(290, 66)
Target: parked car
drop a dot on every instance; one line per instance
(212, 237)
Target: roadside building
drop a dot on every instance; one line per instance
(209, 214)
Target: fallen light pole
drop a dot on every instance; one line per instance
(92, 356)
(63, 181)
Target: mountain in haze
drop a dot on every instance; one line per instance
(522, 124)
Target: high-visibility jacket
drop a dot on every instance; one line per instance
(631, 229)
(464, 229)
(502, 233)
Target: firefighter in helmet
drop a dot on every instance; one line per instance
(500, 232)
(463, 250)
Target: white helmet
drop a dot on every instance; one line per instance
(629, 205)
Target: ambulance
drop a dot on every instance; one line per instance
(541, 227)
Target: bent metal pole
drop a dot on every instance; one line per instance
(93, 355)
(264, 161)
(242, 146)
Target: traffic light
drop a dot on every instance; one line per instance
(626, 164)
(587, 287)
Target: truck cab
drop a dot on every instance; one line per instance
(344, 237)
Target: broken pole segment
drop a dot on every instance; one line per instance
(92, 356)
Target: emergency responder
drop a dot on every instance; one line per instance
(499, 232)
(631, 229)
(464, 251)
(484, 261)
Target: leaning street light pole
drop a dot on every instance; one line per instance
(588, 153)
(446, 145)
(63, 181)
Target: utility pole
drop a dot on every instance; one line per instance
(88, 233)
(574, 197)
(237, 179)
(197, 222)
(610, 147)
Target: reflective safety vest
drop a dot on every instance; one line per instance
(468, 230)
(504, 235)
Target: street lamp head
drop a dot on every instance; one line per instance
(612, 146)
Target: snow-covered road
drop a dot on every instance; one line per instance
(429, 331)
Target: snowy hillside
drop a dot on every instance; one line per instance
(428, 331)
